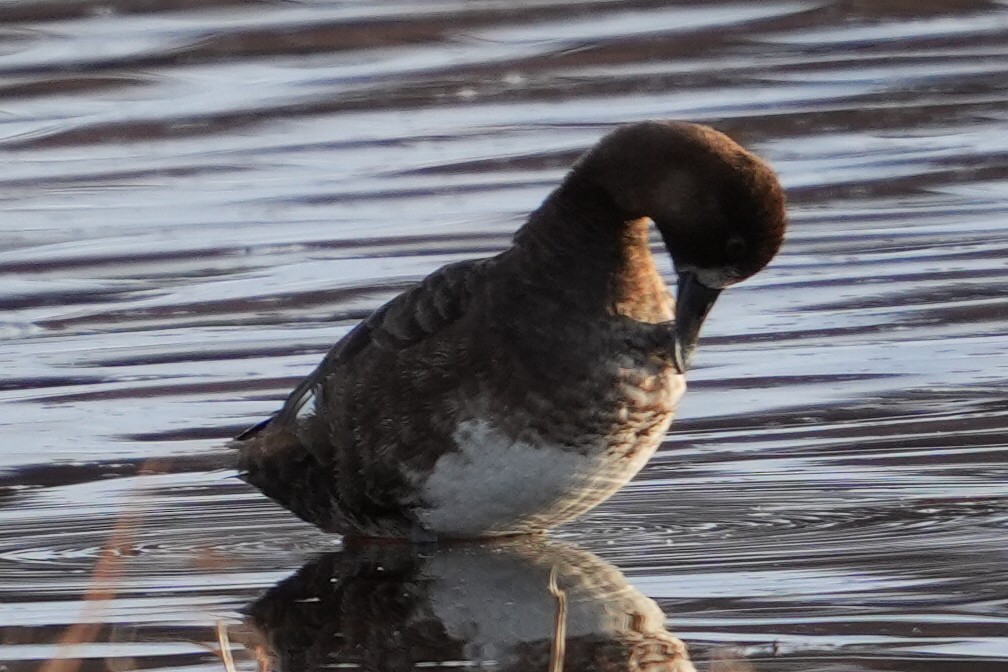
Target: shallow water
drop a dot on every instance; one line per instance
(199, 197)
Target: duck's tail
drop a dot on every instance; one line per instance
(272, 457)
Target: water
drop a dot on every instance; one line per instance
(199, 197)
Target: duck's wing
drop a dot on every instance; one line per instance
(418, 314)
(328, 454)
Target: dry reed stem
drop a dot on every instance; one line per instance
(107, 571)
(225, 647)
(559, 624)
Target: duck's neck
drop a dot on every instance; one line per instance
(579, 244)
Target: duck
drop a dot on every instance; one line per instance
(509, 394)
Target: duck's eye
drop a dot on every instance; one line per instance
(735, 247)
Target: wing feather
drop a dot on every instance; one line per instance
(409, 319)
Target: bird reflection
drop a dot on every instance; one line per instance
(529, 605)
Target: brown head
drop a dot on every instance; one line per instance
(719, 208)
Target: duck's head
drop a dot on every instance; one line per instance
(719, 208)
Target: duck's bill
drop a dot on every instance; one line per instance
(693, 303)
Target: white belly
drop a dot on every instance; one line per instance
(497, 485)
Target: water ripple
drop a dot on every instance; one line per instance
(200, 197)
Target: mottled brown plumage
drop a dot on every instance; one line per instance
(509, 394)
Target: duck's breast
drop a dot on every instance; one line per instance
(500, 479)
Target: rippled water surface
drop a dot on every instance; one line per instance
(197, 198)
